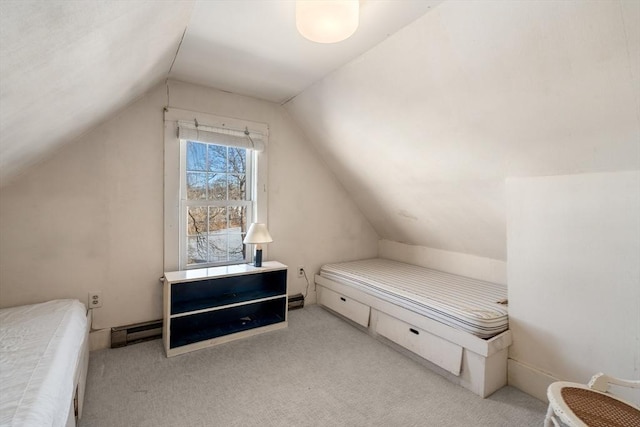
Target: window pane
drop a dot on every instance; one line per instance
(196, 186)
(218, 186)
(196, 221)
(196, 156)
(237, 219)
(217, 247)
(237, 160)
(237, 185)
(236, 247)
(217, 158)
(217, 220)
(197, 250)
(216, 173)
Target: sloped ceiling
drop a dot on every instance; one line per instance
(424, 129)
(252, 47)
(65, 66)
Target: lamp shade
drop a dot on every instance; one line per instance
(327, 21)
(257, 234)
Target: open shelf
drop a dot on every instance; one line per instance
(213, 324)
(199, 295)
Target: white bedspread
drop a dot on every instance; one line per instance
(39, 349)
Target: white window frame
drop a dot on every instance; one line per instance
(175, 252)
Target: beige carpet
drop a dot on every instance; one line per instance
(320, 371)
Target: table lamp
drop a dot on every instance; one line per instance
(257, 235)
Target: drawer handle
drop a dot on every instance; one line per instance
(342, 298)
(415, 331)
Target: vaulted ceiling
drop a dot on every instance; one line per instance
(253, 48)
(445, 101)
(424, 129)
(66, 66)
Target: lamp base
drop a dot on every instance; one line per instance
(257, 261)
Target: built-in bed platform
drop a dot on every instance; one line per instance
(457, 323)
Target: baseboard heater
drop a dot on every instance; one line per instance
(124, 335)
(295, 301)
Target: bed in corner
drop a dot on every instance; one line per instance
(457, 323)
(44, 356)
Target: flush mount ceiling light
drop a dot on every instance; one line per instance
(327, 21)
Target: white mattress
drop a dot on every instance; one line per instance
(39, 349)
(461, 302)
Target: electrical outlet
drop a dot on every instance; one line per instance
(301, 271)
(95, 299)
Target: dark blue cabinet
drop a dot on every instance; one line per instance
(205, 307)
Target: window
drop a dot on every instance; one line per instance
(215, 187)
(217, 203)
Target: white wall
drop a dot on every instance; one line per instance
(490, 270)
(91, 217)
(574, 278)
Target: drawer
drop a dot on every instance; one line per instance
(347, 307)
(428, 346)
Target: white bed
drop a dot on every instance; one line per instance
(43, 363)
(457, 324)
(471, 305)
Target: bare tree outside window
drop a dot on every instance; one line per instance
(217, 211)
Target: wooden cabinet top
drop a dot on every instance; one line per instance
(222, 271)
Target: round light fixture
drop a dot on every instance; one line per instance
(327, 21)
